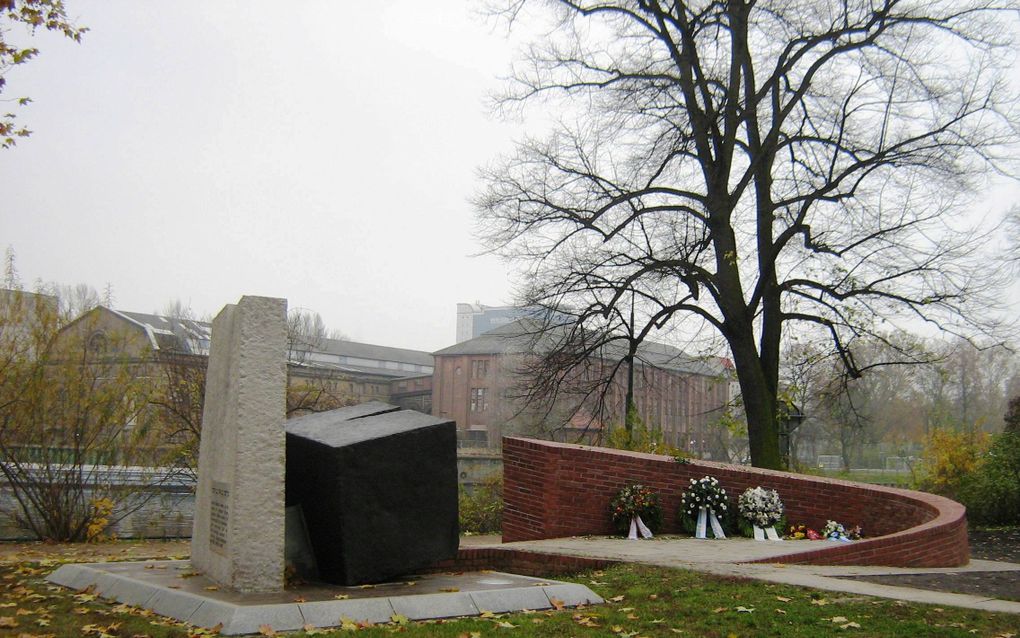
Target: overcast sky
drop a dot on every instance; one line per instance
(323, 152)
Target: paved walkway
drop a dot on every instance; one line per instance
(726, 558)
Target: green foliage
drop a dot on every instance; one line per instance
(481, 509)
(33, 15)
(992, 492)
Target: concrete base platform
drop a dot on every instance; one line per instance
(174, 589)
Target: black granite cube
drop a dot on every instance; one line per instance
(378, 487)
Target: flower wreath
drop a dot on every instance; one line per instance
(635, 500)
(760, 506)
(704, 492)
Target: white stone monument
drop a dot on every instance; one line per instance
(238, 534)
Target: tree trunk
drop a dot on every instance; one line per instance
(759, 406)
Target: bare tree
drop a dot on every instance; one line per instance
(748, 168)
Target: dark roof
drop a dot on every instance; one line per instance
(186, 335)
(529, 335)
(370, 351)
(170, 333)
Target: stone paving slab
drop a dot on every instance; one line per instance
(174, 589)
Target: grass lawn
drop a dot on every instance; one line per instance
(878, 477)
(643, 601)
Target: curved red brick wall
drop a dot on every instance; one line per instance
(553, 490)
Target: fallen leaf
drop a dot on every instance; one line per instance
(266, 630)
(212, 588)
(297, 599)
(850, 625)
(616, 599)
(783, 599)
(366, 586)
(718, 610)
(839, 619)
(341, 596)
(449, 589)
(781, 611)
(820, 602)
(8, 621)
(505, 625)
(745, 610)
(556, 603)
(399, 619)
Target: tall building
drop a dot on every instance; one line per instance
(475, 319)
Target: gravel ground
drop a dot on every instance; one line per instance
(987, 544)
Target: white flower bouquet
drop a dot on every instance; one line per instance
(760, 507)
(704, 494)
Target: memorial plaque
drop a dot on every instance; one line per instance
(219, 516)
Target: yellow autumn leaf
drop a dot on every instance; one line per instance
(399, 619)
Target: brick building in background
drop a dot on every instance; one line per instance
(477, 383)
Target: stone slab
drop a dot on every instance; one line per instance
(213, 612)
(131, 592)
(378, 489)
(175, 604)
(247, 619)
(70, 576)
(238, 531)
(572, 595)
(445, 605)
(186, 599)
(327, 613)
(500, 601)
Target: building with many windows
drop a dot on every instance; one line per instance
(478, 383)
